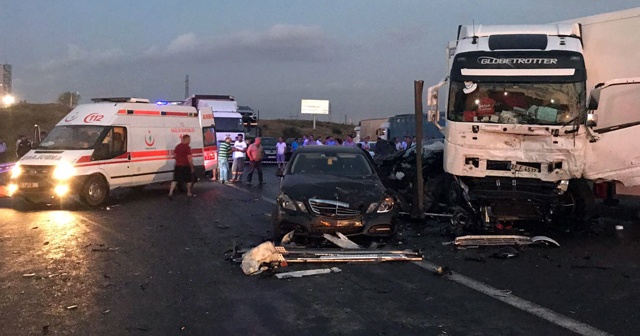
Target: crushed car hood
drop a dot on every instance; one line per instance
(358, 192)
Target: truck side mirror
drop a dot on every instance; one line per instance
(592, 120)
(432, 101)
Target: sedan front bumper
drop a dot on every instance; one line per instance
(373, 224)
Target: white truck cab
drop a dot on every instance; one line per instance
(112, 143)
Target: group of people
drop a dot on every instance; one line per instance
(310, 140)
(238, 151)
(23, 146)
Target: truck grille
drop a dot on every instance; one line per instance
(331, 208)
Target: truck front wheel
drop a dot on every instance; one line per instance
(94, 191)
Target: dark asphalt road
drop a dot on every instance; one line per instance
(151, 266)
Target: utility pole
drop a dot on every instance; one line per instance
(186, 87)
(418, 204)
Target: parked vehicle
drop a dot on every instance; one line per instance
(269, 148)
(329, 189)
(111, 144)
(515, 136)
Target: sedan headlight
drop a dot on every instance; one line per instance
(385, 206)
(63, 171)
(16, 171)
(286, 202)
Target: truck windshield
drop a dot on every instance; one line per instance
(229, 124)
(72, 137)
(513, 103)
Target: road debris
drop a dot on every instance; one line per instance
(300, 274)
(507, 252)
(341, 240)
(473, 241)
(266, 256)
(287, 238)
(442, 271)
(72, 307)
(253, 262)
(28, 275)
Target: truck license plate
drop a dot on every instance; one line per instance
(28, 185)
(523, 168)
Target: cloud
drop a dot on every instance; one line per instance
(279, 43)
(183, 43)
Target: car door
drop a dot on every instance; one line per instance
(613, 151)
(112, 156)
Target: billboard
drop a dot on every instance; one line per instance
(312, 106)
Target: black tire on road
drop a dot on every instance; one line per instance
(94, 191)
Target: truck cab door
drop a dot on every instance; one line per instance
(613, 153)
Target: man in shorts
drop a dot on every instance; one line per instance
(281, 149)
(184, 171)
(237, 168)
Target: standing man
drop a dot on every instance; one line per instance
(223, 159)
(184, 172)
(237, 168)
(3, 151)
(23, 146)
(349, 141)
(295, 144)
(281, 148)
(254, 153)
(311, 141)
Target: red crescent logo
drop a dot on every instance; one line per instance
(149, 139)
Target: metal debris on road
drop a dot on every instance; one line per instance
(300, 274)
(266, 255)
(506, 252)
(501, 240)
(341, 240)
(287, 238)
(72, 307)
(29, 275)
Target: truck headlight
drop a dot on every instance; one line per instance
(16, 171)
(63, 171)
(382, 207)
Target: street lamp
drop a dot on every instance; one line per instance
(8, 100)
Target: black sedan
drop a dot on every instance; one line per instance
(269, 148)
(329, 189)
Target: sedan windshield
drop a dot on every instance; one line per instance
(72, 137)
(509, 103)
(338, 164)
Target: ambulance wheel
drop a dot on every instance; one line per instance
(94, 191)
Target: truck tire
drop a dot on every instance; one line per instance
(95, 190)
(583, 198)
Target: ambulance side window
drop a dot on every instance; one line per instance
(209, 136)
(113, 144)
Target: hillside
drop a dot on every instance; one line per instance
(287, 128)
(20, 118)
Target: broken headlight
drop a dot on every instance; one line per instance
(385, 206)
(286, 202)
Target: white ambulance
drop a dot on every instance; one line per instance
(112, 143)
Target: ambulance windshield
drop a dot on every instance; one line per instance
(516, 103)
(72, 137)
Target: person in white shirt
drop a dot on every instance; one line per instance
(237, 168)
(281, 148)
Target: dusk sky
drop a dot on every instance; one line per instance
(363, 55)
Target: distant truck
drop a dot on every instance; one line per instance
(228, 122)
(399, 126)
(519, 140)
